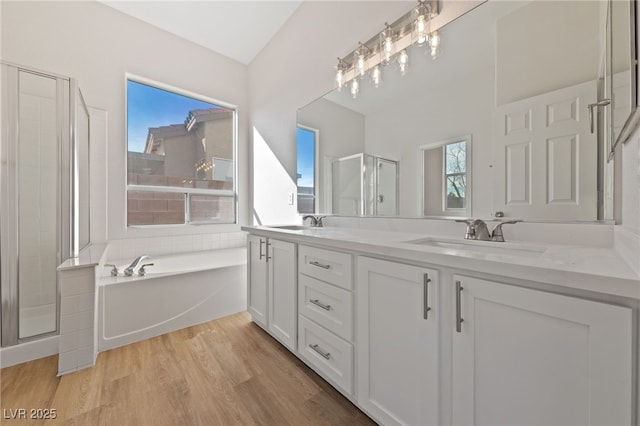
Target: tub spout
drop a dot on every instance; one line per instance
(129, 271)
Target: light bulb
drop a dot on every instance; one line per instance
(340, 78)
(376, 76)
(434, 43)
(403, 61)
(361, 69)
(388, 48)
(355, 88)
(421, 30)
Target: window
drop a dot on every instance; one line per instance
(180, 157)
(455, 175)
(307, 142)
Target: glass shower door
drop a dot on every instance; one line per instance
(37, 204)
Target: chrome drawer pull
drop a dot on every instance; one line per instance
(425, 303)
(260, 253)
(322, 305)
(319, 265)
(325, 355)
(459, 319)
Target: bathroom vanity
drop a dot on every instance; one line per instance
(420, 329)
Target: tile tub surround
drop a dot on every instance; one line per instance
(156, 246)
(594, 268)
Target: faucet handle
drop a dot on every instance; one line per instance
(142, 271)
(496, 234)
(319, 221)
(114, 269)
(471, 231)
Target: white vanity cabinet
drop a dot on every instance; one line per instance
(398, 342)
(271, 292)
(325, 307)
(522, 356)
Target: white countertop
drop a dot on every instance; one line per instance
(594, 269)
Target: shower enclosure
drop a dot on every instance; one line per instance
(364, 184)
(44, 160)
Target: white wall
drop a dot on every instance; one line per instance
(97, 45)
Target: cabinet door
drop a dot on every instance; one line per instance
(282, 292)
(257, 279)
(527, 357)
(397, 350)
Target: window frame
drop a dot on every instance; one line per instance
(187, 192)
(445, 176)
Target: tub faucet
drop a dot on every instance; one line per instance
(129, 271)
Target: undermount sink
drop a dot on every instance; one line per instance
(491, 247)
(290, 227)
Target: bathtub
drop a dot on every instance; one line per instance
(177, 291)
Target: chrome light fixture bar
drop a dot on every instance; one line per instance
(414, 27)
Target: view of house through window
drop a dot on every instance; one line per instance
(306, 169)
(455, 161)
(180, 159)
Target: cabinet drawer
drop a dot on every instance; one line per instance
(329, 306)
(327, 353)
(326, 265)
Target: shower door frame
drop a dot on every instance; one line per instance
(9, 190)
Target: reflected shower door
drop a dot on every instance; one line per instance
(37, 172)
(347, 185)
(386, 187)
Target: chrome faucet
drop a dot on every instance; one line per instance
(316, 221)
(129, 271)
(477, 230)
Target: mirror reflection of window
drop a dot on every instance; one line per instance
(455, 178)
(446, 177)
(306, 174)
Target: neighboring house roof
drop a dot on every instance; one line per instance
(195, 116)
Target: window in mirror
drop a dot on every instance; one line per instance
(306, 175)
(455, 160)
(181, 157)
(446, 177)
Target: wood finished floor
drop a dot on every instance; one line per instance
(224, 372)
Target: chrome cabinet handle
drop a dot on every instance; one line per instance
(425, 294)
(261, 254)
(319, 265)
(325, 355)
(601, 102)
(322, 305)
(267, 253)
(459, 319)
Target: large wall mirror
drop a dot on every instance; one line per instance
(538, 90)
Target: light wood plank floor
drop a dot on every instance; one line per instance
(224, 372)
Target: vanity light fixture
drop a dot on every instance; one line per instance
(392, 43)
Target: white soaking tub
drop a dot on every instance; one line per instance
(177, 291)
